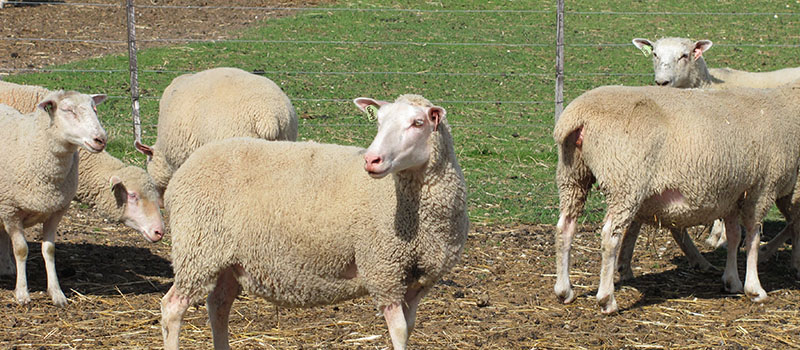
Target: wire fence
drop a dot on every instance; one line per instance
(495, 66)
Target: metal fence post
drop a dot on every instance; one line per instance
(134, 69)
(559, 59)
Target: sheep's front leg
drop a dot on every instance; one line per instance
(689, 249)
(17, 234)
(6, 255)
(49, 255)
(565, 231)
(717, 236)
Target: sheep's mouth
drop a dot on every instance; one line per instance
(378, 174)
(93, 148)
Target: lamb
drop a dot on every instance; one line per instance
(41, 176)
(302, 224)
(121, 193)
(658, 162)
(678, 62)
(212, 105)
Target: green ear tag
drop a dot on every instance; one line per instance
(372, 113)
(646, 50)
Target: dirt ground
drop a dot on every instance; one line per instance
(500, 297)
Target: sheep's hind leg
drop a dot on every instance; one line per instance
(626, 252)
(696, 259)
(7, 265)
(752, 285)
(730, 278)
(397, 324)
(616, 224)
(20, 245)
(219, 303)
(49, 255)
(565, 231)
(173, 307)
(717, 236)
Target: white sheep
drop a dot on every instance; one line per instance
(676, 158)
(212, 105)
(41, 173)
(303, 224)
(121, 193)
(678, 62)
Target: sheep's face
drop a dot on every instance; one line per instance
(75, 114)
(140, 209)
(402, 139)
(674, 59)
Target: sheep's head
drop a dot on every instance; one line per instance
(403, 132)
(138, 199)
(674, 59)
(75, 114)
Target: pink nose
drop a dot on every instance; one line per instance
(372, 161)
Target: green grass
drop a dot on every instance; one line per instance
(506, 149)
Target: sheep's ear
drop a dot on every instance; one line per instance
(435, 116)
(48, 105)
(643, 44)
(144, 149)
(701, 46)
(99, 98)
(119, 190)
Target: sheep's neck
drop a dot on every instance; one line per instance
(434, 193)
(57, 154)
(700, 77)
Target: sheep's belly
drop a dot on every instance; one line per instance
(301, 288)
(672, 209)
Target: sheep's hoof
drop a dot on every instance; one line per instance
(758, 295)
(59, 299)
(608, 305)
(733, 286)
(22, 297)
(567, 296)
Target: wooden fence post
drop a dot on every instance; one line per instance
(559, 59)
(134, 69)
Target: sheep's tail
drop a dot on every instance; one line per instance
(573, 175)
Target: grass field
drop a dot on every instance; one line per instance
(492, 71)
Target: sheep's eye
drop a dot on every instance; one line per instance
(654, 55)
(418, 122)
(684, 56)
(133, 196)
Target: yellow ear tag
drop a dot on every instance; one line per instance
(372, 113)
(646, 50)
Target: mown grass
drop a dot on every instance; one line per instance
(492, 71)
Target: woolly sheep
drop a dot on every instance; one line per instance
(676, 158)
(303, 224)
(212, 105)
(41, 173)
(678, 62)
(121, 193)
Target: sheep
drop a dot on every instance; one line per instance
(302, 224)
(41, 176)
(121, 193)
(678, 62)
(676, 158)
(212, 105)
